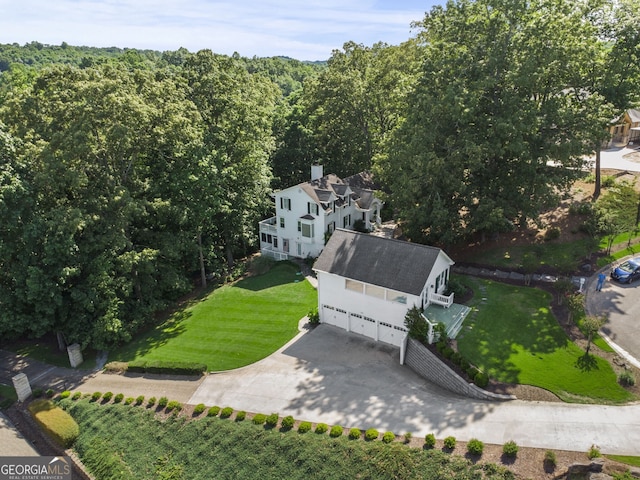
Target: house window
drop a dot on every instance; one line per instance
(281, 222)
(397, 297)
(312, 208)
(374, 291)
(263, 237)
(275, 242)
(353, 285)
(305, 229)
(346, 221)
(285, 203)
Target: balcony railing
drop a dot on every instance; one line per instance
(269, 225)
(441, 299)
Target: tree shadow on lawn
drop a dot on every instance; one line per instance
(587, 363)
(280, 274)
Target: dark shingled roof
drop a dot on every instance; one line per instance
(331, 187)
(394, 264)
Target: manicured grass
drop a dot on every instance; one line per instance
(46, 350)
(7, 396)
(119, 441)
(233, 326)
(515, 338)
(627, 459)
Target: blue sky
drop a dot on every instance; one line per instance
(305, 29)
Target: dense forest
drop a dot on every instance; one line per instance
(125, 174)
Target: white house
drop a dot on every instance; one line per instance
(366, 284)
(307, 213)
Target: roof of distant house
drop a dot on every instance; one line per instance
(331, 187)
(394, 264)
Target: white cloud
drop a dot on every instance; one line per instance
(307, 30)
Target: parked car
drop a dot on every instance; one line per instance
(627, 271)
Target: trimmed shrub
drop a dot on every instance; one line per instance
(627, 378)
(550, 458)
(447, 352)
(96, 396)
(336, 431)
(241, 415)
(116, 367)
(552, 233)
(287, 423)
(168, 368)
(49, 393)
(314, 317)
(322, 428)
(259, 419)
(475, 447)
(272, 420)
(226, 412)
(129, 400)
(107, 397)
(371, 434)
(429, 440)
(481, 379)
(37, 392)
(198, 409)
(510, 449)
(174, 406)
(162, 403)
(118, 398)
(388, 437)
(76, 395)
(139, 399)
(594, 452)
(213, 411)
(304, 427)
(57, 423)
(450, 442)
(151, 402)
(407, 437)
(65, 394)
(354, 434)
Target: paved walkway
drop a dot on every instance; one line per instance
(625, 158)
(14, 444)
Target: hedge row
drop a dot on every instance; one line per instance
(478, 377)
(169, 368)
(57, 423)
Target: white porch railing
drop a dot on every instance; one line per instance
(268, 225)
(443, 300)
(276, 255)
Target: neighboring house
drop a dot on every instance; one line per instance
(625, 129)
(306, 214)
(366, 284)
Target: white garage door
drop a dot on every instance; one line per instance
(363, 325)
(335, 316)
(390, 334)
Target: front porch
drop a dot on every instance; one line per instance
(452, 317)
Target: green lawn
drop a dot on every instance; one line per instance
(235, 325)
(7, 396)
(515, 338)
(46, 350)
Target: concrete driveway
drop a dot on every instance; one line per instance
(328, 375)
(620, 303)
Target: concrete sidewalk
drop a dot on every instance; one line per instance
(13, 443)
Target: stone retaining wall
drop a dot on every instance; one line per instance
(422, 361)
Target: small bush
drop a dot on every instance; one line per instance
(37, 392)
(304, 427)
(57, 423)
(129, 400)
(475, 447)
(118, 398)
(139, 399)
(594, 452)
(213, 411)
(481, 379)
(162, 403)
(407, 437)
(259, 419)
(49, 393)
(116, 367)
(447, 352)
(226, 412)
(76, 395)
(174, 406)
(287, 423)
(272, 420)
(107, 397)
(627, 378)
(96, 396)
(336, 431)
(552, 233)
(198, 409)
(322, 428)
(450, 442)
(429, 440)
(510, 449)
(388, 437)
(169, 368)
(314, 317)
(65, 394)
(241, 415)
(550, 458)
(354, 434)
(151, 402)
(371, 434)
(608, 181)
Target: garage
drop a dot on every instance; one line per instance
(363, 325)
(387, 333)
(335, 316)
